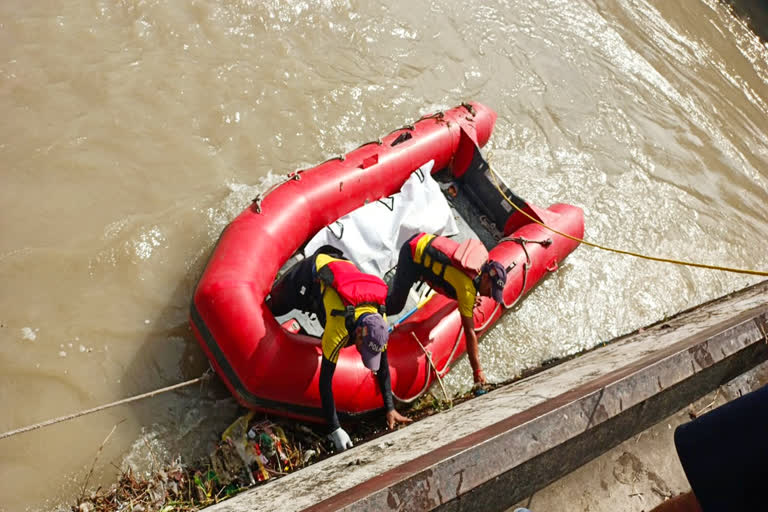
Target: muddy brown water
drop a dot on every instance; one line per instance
(135, 130)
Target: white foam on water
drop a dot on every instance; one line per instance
(147, 450)
(148, 241)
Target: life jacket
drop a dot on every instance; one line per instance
(468, 256)
(355, 289)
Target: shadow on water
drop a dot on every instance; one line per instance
(187, 422)
(754, 13)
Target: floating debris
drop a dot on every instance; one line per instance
(171, 485)
(248, 454)
(251, 451)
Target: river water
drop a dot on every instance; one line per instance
(136, 129)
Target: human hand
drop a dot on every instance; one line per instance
(479, 376)
(340, 439)
(394, 417)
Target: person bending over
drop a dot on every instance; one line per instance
(349, 305)
(458, 271)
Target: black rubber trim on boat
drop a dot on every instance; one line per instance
(401, 138)
(248, 397)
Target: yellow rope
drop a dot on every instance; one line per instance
(619, 251)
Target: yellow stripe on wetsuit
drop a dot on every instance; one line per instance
(461, 283)
(335, 336)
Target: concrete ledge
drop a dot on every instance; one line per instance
(492, 451)
(643, 471)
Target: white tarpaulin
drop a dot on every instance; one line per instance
(372, 235)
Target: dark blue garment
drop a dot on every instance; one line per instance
(406, 275)
(725, 454)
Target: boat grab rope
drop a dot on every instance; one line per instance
(439, 116)
(204, 377)
(378, 142)
(478, 328)
(293, 176)
(407, 127)
(495, 177)
(428, 355)
(527, 265)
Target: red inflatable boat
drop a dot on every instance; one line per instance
(275, 368)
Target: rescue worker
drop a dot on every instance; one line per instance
(349, 305)
(458, 271)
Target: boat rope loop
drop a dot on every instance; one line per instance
(292, 176)
(439, 116)
(340, 158)
(204, 377)
(428, 355)
(407, 127)
(444, 371)
(527, 265)
(495, 176)
(378, 142)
